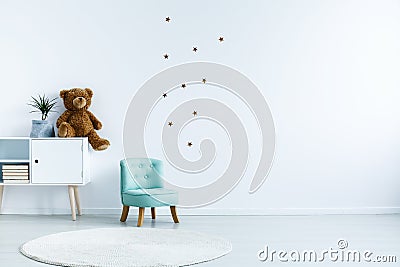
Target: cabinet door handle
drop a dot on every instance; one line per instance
(36, 161)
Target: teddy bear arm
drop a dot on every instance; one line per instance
(63, 118)
(96, 123)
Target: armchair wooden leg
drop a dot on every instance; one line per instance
(141, 217)
(153, 213)
(124, 215)
(173, 213)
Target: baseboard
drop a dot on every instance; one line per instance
(220, 212)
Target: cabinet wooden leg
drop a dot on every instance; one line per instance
(77, 201)
(153, 213)
(141, 217)
(72, 201)
(1, 195)
(173, 213)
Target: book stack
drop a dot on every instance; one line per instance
(15, 174)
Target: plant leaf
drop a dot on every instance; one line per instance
(43, 105)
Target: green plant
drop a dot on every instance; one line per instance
(43, 105)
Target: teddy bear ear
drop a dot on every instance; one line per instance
(62, 93)
(89, 92)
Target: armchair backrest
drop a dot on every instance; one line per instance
(139, 173)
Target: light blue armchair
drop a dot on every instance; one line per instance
(142, 186)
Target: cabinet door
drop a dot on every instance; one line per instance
(57, 161)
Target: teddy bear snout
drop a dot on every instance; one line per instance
(79, 102)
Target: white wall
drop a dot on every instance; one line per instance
(330, 71)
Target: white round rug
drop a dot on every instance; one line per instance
(126, 247)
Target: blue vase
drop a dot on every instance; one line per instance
(41, 128)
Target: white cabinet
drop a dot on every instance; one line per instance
(57, 161)
(45, 161)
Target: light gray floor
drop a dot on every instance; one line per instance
(379, 234)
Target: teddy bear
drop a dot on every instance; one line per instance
(77, 121)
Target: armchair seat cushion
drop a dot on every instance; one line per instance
(152, 197)
(150, 191)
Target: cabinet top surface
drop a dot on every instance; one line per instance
(40, 138)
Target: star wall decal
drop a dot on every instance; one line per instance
(204, 80)
(166, 56)
(194, 113)
(164, 95)
(221, 39)
(195, 49)
(167, 19)
(183, 85)
(170, 123)
(189, 144)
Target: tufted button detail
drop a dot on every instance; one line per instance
(135, 176)
(151, 166)
(146, 176)
(140, 165)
